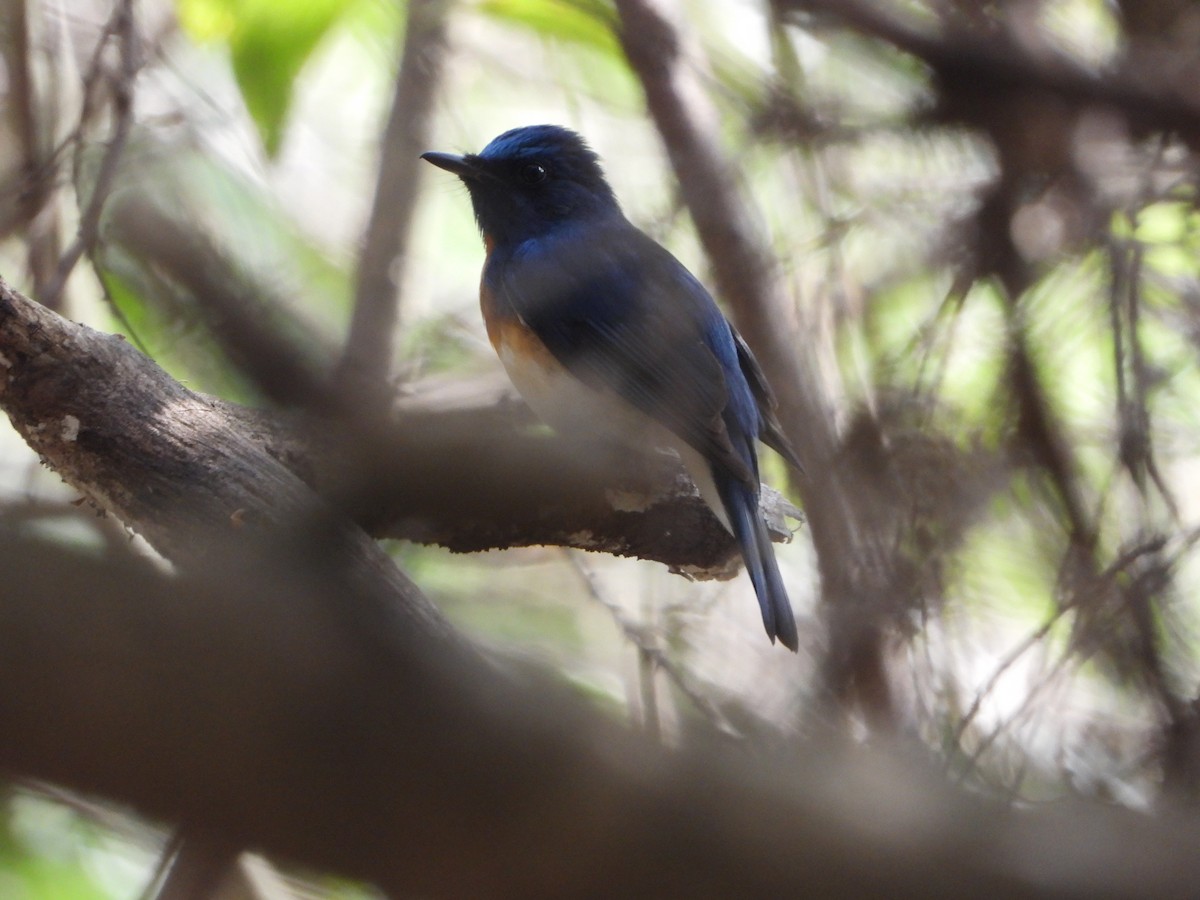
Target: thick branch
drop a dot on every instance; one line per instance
(163, 459)
(254, 703)
(176, 465)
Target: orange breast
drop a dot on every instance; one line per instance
(508, 335)
(491, 314)
(562, 401)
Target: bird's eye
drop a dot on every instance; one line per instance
(533, 173)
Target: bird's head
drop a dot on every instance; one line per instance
(530, 180)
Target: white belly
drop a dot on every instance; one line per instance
(575, 410)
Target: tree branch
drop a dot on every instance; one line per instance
(37, 211)
(254, 702)
(368, 354)
(120, 83)
(1147, 89)
(176, 465)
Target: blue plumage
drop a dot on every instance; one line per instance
(602, 328)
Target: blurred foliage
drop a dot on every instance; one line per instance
(587, 23)
(50, 851)
(258, 126)
(268, 43)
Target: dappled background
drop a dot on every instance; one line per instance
(975, 288)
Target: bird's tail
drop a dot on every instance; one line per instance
(750, 531)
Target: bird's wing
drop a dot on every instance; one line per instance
(621, 314)
(771, 432)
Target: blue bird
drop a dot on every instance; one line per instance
(603, 330)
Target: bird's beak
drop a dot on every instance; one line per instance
(452, 162)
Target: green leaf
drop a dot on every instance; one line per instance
(590, 24)
(269, 42)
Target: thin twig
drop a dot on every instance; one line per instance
(648, 692)
(1022, 711)
(649, 650)
(123, 25)
(1140, 370)
(33, 132)
(1010, 659)
(1034, 638)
